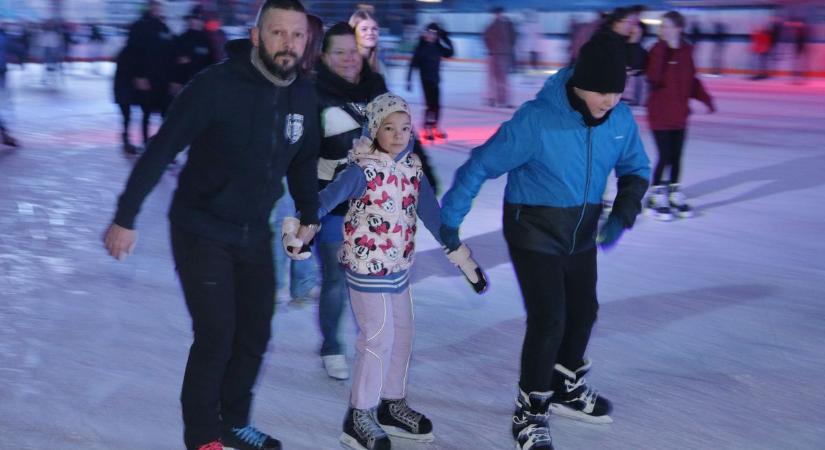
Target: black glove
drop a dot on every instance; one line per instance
(449, 237)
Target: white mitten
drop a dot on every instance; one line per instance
(294, 247)
(462, 259)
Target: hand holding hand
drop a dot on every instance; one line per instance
(462, 258)
(294, 247)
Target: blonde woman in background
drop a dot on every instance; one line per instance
(366, 36)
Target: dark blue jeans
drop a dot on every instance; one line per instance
(334, 297)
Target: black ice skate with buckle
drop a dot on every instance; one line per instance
(574, 399)
(531, 421)
(399, 420)
(362, 432)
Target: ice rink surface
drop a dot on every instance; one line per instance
(711, 332)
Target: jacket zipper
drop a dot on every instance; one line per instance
(586, 186)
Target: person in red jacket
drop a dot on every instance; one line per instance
(672, 76)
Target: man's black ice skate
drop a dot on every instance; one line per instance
(248, 438)
(362, 432)
(531, 421)
(678, 202)
(573, 398)
(399, 420)
(658, 205)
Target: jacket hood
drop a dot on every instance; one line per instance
(554, 92)
(238, 48)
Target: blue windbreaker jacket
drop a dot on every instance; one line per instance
(557, 169)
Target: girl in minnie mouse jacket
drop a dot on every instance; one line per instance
(387, 192)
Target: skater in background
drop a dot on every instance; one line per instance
(221, 239)
(557, 152)
(499, 40)
(192, 51)
(5, 135)
(673, 82)
(761, 49)
(152, 50)
(387, 192)
(800, 34)
(718, 37)
(316, 38)
(636, 63)
(433, 45)
(367, 34)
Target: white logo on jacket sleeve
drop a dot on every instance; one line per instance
(294, 127)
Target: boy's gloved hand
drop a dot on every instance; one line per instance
(462, 258)
(449, 237)
(294, 247)
(610, 233)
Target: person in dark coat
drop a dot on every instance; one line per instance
(152, 53)
(249, 121)
(636, 62)
(433, 45)
(673, 82)
(193, 51)
(4, 53)
(500, 40)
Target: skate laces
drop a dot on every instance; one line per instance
(366, 424)
(402, 412)
(586, 394)
(677, 198)
(536, 433)
(250, 435)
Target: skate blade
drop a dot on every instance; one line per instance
(400, 433)
(350, 442)
(658, 216)
(571, 413)
(685, 215)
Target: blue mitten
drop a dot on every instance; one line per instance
(449, 237)
(610, 233)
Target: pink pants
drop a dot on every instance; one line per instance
(383, 346)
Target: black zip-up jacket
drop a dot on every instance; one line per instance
(427, 58)
(244, 134)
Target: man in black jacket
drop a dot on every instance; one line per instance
(248, 121)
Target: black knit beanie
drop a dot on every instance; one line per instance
(600, 66)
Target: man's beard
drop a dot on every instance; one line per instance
(274, 68)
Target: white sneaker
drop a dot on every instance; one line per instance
(336, 366)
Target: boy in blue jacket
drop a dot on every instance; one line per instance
(557, 152)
